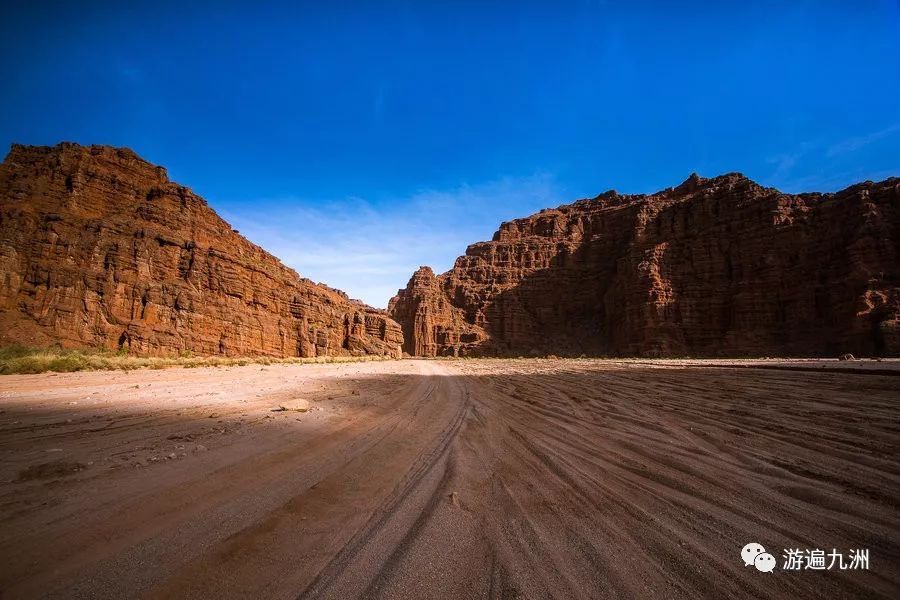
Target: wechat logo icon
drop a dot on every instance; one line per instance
(754, 554)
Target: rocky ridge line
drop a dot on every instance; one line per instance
(98, 248)
(712, 267)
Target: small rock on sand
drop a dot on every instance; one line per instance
(296, 405)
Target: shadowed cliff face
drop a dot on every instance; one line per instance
(99, 248)
(713, 267)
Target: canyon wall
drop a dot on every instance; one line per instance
(712, 267)
(99, 249)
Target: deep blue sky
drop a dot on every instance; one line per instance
(359, 140)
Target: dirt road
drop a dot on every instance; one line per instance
(431, 479)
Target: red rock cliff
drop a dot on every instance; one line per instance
(99, 248)
(713, 267)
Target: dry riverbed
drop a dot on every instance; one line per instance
(449, 479)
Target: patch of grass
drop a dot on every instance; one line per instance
(18, 359)
(15, 351)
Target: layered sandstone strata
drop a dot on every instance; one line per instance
(98, 248)
(713, 267)
(434, 326)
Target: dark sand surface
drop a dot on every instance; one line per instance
(450, 479)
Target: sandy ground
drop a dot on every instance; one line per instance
(439, 479)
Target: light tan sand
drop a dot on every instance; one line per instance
(434, 479)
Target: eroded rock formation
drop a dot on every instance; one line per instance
(98, 248)
(712, 267)
(435, 327)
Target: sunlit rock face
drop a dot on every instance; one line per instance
(98, 248)
(712, 267)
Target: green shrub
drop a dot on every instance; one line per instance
(15, 351)
(67, 363)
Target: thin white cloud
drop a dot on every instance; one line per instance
(784, 164)
(816, 166)
(369, 251)
(855, 143)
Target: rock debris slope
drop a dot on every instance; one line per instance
(712, 267)
(98, 248)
